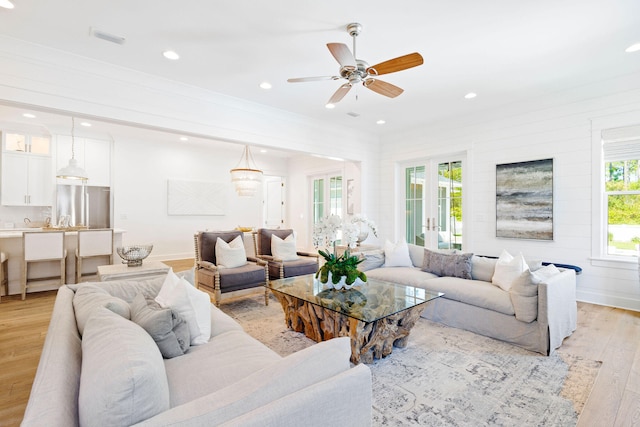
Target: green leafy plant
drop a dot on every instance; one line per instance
(343, 265)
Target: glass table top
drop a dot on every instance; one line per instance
(369, 302)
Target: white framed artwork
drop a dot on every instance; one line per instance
(196, 197)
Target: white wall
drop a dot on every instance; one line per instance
(557, 127)
(140, 175)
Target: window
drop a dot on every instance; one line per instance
(622, 197)
(414, 205)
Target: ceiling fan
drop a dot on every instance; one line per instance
(358, 71)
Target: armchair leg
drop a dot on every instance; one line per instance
(266, 295)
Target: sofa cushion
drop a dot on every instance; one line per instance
(473, 292)
(123, 380)
(169, 331)
(88, 298)
(451, 265)
(397, 254)
(232, 254)
(194, 306)
(508, 268)
(274, 381)
(284, 249)
(411, 276)
(482, 268)
(229, 357)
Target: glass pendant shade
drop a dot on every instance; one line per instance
(73, 169)
(246, 179)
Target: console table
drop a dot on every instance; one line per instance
(123, 271)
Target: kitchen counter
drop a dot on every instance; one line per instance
(11, 245)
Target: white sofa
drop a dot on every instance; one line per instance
(232, 380)
(484, 308)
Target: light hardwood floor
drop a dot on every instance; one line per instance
(608, 334)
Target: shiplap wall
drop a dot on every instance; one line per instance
(559, 127)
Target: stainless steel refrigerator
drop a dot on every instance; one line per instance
(84, 205)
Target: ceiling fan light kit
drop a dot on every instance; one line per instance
(356, 71)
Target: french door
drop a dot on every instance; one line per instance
(433, 203)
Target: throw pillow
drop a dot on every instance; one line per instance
(508, 268)
(546, 272)
(193, 305)
(232, 254)
(90, 297)
(372, 259)
(166, 327)
(397, 254)
(123, 380)
(482, 268)
(284, 250)
(524, 296)
(450, 265)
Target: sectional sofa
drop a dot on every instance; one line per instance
(100, 368)
(537, 313)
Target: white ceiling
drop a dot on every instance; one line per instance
(504, 50)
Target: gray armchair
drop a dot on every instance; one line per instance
(307, 263)
(218, 280)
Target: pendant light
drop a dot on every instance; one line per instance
(246, 178)
(72, 170)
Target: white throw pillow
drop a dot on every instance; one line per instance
(397, 254)
(284, 250)
(546, 272)
(188, 301)
(508, 268)
(232, 254)
(524, 296)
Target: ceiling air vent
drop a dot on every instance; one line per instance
(352, 114)
(107, 37)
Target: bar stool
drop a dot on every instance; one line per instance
(44, 246)
(4, 273)
(92, 244)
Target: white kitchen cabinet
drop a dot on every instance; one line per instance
(26, 143)
(93, 155)
(26, 180)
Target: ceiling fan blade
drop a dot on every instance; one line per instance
(383, 88)
(343, 55)
(340, 93)
(312, 79)
(396, 64)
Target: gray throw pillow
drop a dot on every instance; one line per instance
(371, 259)
(449, 265)
(169, 331)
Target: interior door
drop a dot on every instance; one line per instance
(274, 194)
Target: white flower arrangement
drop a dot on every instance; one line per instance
(326, 230)
(361, 219)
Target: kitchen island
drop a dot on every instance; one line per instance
(11, 245)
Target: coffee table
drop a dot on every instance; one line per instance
(123, 271)
(376, 316)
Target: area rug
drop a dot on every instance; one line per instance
(449, 377)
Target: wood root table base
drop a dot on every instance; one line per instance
(368, 340)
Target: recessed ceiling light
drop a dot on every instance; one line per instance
(263, 151)
(6, 4)
(265, 85)
(470, 95)
(86, 124)
(330, 106)
(29, 115)
(169, 54)
(380, 122)
(184, 138)
(633, 48)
